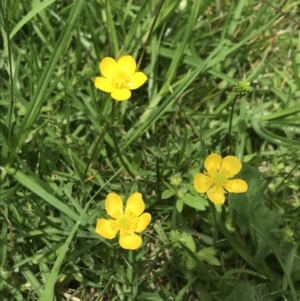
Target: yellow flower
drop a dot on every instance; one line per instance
(119, 77)
(218, 173)
(127, 221)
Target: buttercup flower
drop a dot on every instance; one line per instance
(217, 176)
(127, 222)
(119, 77)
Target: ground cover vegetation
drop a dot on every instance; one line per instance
(150, 150)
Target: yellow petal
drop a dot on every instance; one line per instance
(143, 222)
(108, 67)
(212, 163)
(202, 182)
(127, 64)
(104, 84)
(216, 194)
(135, 204)
(237, 186)
(137, 80)
(121, 94)
(104, 229)
(113, 205)
(130, 242)
(231, 166)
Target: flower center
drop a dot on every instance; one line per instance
(124, 222)
(220, 178)
(121, 80)
(127, 223)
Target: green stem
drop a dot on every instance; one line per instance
(129, 271)
(115, 141)
(215, 229)
(92, 157)
(230, 123)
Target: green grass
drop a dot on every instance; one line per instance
(64, 147)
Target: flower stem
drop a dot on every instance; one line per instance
(230, 123)
(130, 271)
(92, 157)
(115, 141)
(215, 230)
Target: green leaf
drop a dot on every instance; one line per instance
(38, 98)
(36, 9)
(208, 255)
(195, 202)
(190, 263)
(263, 132)
(167, 194)
(179, 205)
(31, 184)
(188, 241)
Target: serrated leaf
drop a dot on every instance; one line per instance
(188, 241)
(167, 194)
(179, 205)
(208, 255)
(198, 203)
